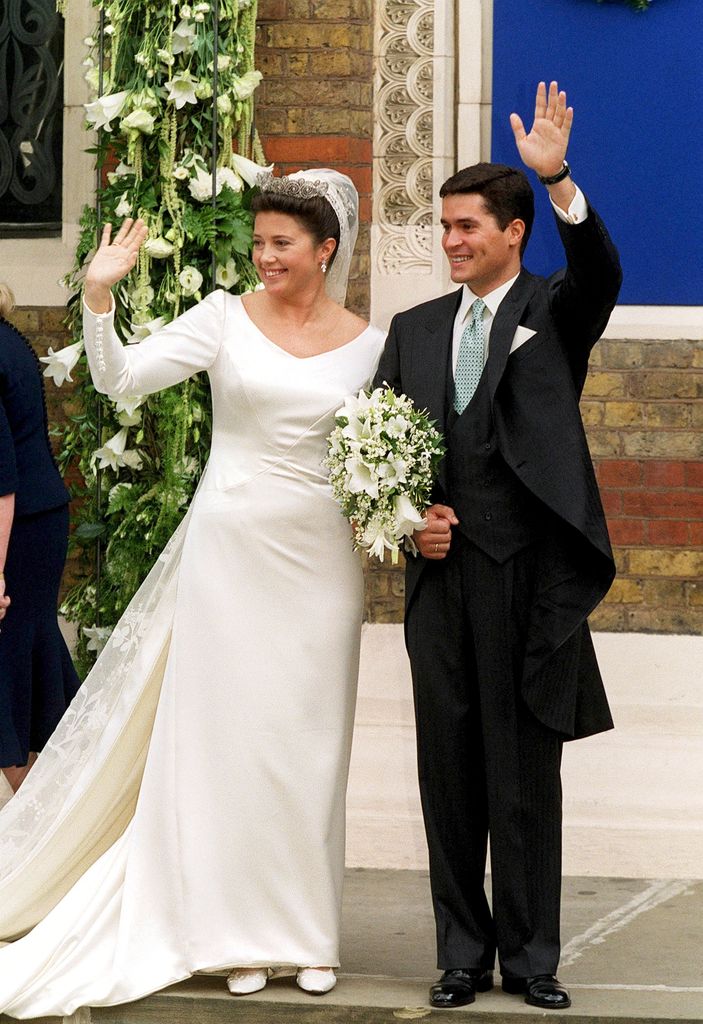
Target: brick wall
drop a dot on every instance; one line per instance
(643, 404)
(314, 106)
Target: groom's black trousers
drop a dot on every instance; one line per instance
(487, 766)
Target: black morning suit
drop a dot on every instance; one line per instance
(37, 677)
(502, 661)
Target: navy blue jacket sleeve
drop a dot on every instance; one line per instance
(8, 465)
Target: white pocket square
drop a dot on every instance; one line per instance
(522, 334)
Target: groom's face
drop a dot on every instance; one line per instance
(480, 253)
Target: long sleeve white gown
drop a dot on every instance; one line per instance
(188, 813)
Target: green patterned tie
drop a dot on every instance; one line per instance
(469, 364)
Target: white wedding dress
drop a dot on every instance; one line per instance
(188, 813)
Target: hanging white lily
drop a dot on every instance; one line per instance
(126, 419)
(105, 109)
(140, 331)
(183, 37)
(122, 170)
(200, 186)
(97, 637)
(181, 90)
(226, 176)
(124, 207)
(114, 453)
(247, 169)
(59, 364)
(407, 517)
(128, 405)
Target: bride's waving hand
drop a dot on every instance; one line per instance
(113, 260)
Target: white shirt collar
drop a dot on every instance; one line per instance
(492, 299)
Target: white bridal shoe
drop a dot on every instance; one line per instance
(242, 981)
(316, 980)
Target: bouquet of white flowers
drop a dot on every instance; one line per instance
(383, 458)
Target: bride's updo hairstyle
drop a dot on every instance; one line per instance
(326, 205)
(302, 200)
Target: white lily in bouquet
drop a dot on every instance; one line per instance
(383, 459)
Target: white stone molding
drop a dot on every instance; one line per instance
(33, 267)
(413, 149)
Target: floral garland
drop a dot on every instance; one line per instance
(153, 72)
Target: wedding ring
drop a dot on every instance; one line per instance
(436, 548)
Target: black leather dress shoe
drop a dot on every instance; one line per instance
(458, 987)
(544, 990)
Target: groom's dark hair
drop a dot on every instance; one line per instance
(505, 190)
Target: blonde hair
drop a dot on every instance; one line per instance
(7, 300)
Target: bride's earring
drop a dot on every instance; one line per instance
(323, 266)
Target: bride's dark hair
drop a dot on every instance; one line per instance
(314, 214)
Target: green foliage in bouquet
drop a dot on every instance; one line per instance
(154, 121)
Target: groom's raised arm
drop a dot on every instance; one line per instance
(583, 295)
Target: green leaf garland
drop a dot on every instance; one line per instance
(154, 156)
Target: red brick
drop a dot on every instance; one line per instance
(694, 474)
(361, 176)
(360, 150)
(664, 474)
(664, 532)
(696, 531)
(619, 473)
(612, 502)
(305, 149)
(675, 504)
(626, 531)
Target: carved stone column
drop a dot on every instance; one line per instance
(413, 149)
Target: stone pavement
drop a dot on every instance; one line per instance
(633, 951)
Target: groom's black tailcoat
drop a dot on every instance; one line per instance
(502, 660)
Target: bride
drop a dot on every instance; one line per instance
(188, 813)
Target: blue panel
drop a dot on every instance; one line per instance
(636, 84)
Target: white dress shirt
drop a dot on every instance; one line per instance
(577, 212)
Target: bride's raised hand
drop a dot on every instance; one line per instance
(114, 259)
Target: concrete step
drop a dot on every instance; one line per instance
(632, 952)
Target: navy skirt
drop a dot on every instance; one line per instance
(37, 677)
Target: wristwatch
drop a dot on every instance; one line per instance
(554, 179)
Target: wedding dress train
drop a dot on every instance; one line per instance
(188, 812)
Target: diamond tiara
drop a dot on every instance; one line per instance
(295, 187)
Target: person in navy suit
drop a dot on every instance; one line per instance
(514, 557)
(37, 677)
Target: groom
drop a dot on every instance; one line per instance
(514, 557)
